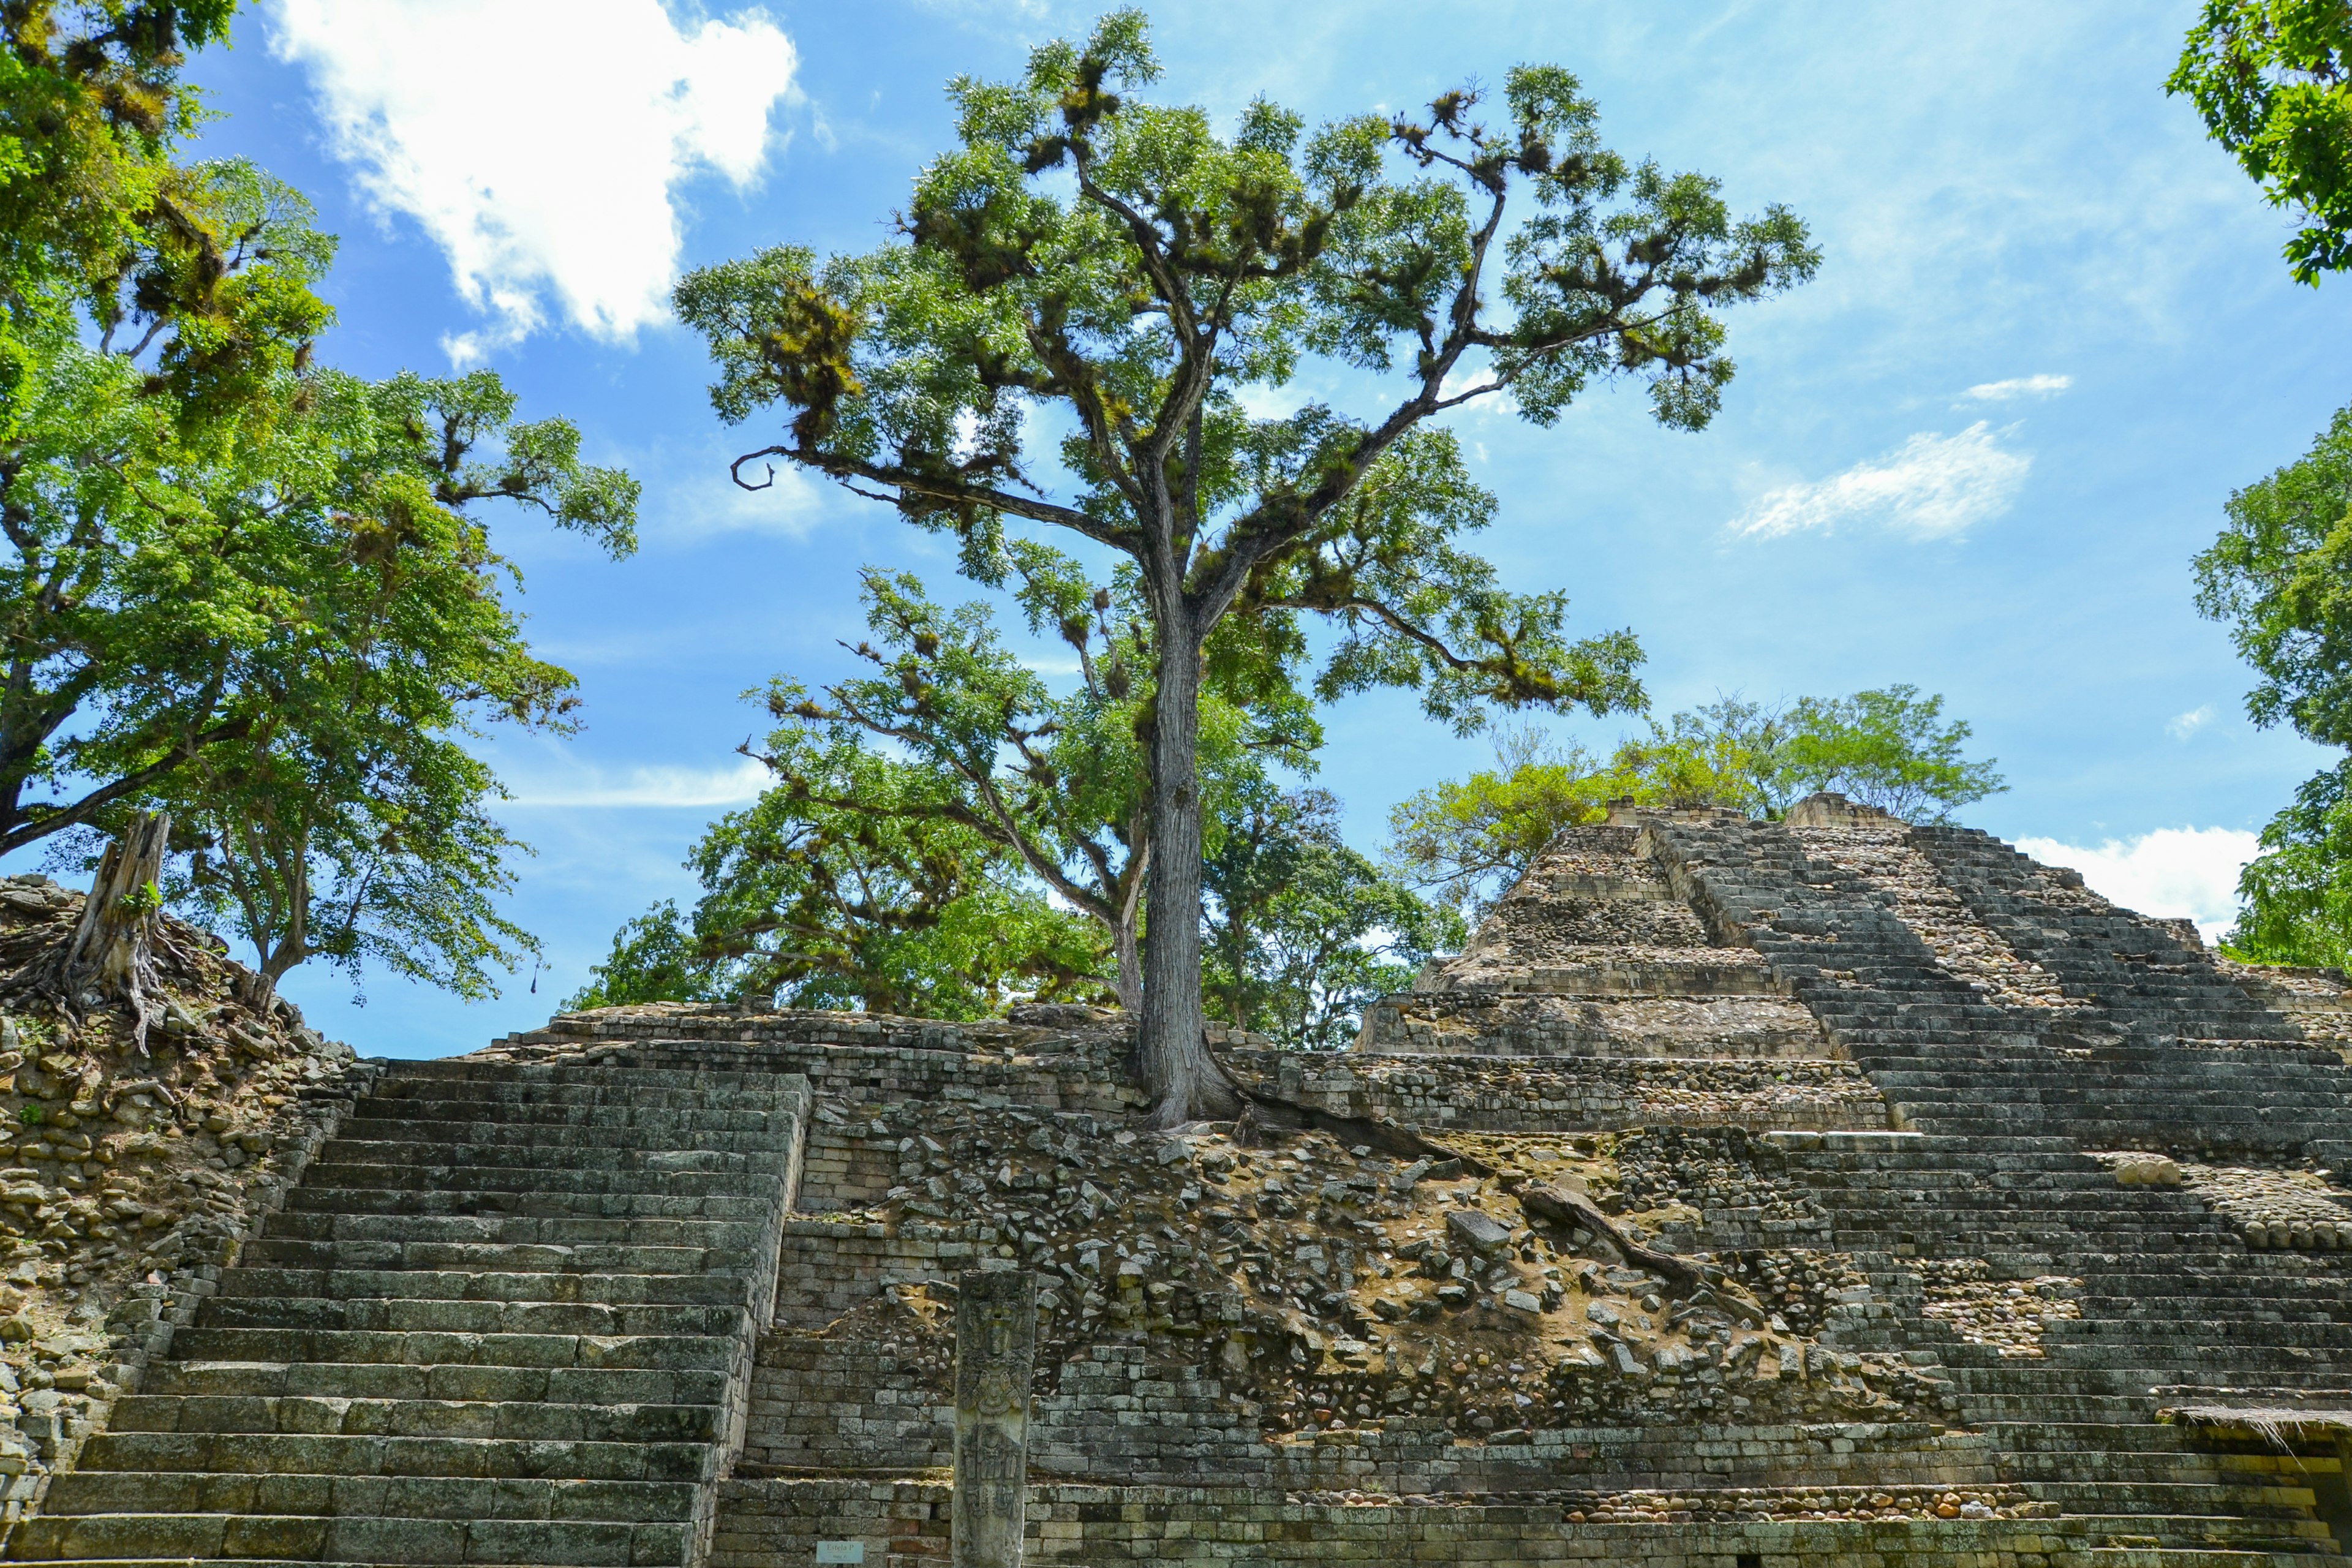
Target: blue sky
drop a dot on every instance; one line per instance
(2052, 334)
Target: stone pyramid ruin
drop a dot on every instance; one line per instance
(1823, 1192)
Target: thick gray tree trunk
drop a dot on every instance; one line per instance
(1179, 1074)
(113, 950)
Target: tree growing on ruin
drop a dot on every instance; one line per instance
(1103, 276)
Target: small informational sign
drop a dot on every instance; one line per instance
(841, 1551)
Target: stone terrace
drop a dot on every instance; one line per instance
(2037, 1199)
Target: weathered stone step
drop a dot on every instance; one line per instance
(549, 1352)
(440, 1419)
(409, 1315)
(382, 1117)
(113, 1464)
(680, 1178)
(463, 1136)
(464, 1383)
(557, 1155)
(494, 1257)
(662, 1204)
(466, 1284)
(253, 1533)
(555, 1230)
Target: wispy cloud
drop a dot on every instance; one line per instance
(540, 146)
(2174, 872)
(1932, 486)
(2019, 386)
(711, 502)
(656, 786)
(2180, 726)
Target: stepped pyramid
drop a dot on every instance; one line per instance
(2039, 1199)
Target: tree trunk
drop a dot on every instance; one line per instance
(1128, 957)
(1181, 1077)
(113, 947)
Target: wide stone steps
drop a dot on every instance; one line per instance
(465, 1285)
(508, 1317)
(444, 1420)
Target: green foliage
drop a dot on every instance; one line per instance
(878, 905)
(2280, 576)
(2277, 577)
(287, 660)
(1119, 268)
(1468, 840)
(2296, 898)
(1055, 780)
(1301, 933)
(2274, 81)
(238, 586)
(1889, 749)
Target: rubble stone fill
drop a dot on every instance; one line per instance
(2006, 1229)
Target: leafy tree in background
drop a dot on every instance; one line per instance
(237, 585)
(1468, 840)
(337, 628)
(1119, 267)
(2274, 81)
(2280, 576)
(2295, 897)
(1055, 780)
(1893, 750)
(1301, 933)
(885, 906)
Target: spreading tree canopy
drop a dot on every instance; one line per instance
(1109, 274)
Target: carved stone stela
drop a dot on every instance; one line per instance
(996, 1342)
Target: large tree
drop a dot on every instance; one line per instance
(343, 817)
(1110, 274)
(2274, 81)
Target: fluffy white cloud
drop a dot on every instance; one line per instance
(2180, 726)
(2174, 872)
(730, 785)
(538, 144)
(1932, 484)
(2020, 387)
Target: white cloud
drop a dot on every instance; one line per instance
(791, 504)
(1932, 484)
(2180, 726)
(732, 786)
(538, 144)
(2174, 872)
(2020, 387)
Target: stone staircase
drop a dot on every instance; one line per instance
(509, 1317)
(2140, 1042)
